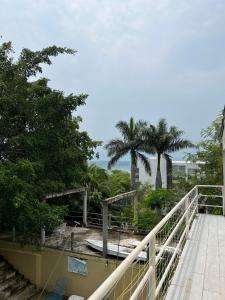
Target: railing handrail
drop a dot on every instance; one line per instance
(117, 274)
(123, 267)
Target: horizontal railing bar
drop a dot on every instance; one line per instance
(218, 206)
(213, 196)
(209, 186)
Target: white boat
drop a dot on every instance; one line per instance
(115, 250)
(135, 243)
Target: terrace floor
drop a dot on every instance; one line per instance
(200, 274)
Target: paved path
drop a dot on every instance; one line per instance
(200, 274)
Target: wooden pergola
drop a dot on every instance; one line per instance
(105, 204)
(82, 190)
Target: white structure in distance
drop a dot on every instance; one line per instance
(180, 168)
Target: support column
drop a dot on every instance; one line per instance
(85, 207)
(105, 228)
(152, 277)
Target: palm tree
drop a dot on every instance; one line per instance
(132, 142)
(164, 140)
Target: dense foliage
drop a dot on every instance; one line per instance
(209, 159)
(42, 149)
(104, 184)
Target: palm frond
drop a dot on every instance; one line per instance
(124, 129)
(115, 158)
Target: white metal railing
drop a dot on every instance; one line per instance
(148, 278)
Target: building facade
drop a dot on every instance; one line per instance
(180, 169)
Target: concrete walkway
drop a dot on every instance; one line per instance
(200, 274)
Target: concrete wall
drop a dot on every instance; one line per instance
(38, 265)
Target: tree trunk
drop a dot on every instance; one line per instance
(133, 176)
(158, 182)
(169, 168)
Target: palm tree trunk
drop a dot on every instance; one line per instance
(158, 182)
(133, 176)
(169, 168)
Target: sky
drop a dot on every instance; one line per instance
(143, 58)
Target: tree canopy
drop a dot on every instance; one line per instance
(42, 148)
(209, 152)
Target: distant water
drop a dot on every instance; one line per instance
(121, 165)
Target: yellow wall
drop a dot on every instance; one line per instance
(38, 265)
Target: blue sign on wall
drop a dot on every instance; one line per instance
(76, 265)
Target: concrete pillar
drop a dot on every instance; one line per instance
(105, 228)
(85, 207)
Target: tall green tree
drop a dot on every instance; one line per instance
(42, 148)
(164, 140)
(209, 152)
(132, 143)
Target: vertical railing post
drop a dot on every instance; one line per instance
(187, 216)
(42, 236)
(14, 234)
(85, 207)
(152, 277)
(223, 194)
(196, 195)
(105, 228)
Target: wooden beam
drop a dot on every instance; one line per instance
(68, 192)
(119, 197)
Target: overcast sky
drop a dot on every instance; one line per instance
(143, 58)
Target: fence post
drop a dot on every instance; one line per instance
(187, 217)
(72, 240)
(135, 209)
(85, 208)
(152, 277)
(105, 228)
(42, 236)
(110, 219)
(14, 234)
